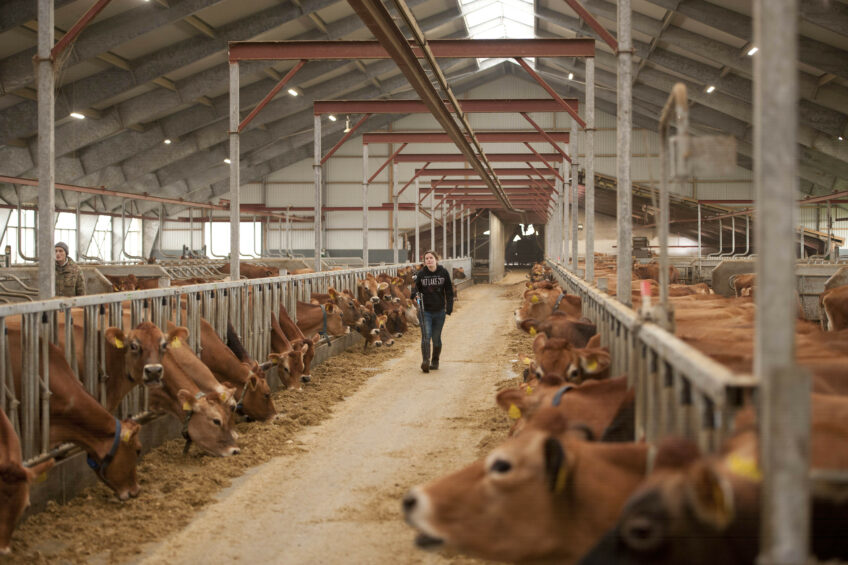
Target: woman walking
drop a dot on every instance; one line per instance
(434, 294)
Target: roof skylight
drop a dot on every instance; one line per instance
(498, 19)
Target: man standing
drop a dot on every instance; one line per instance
(69, 279)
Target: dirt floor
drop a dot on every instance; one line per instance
(323, 481)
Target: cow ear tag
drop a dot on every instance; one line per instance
(186, 407)
(559, 486)
(126, 435)
(526, 361)
(514, 412)
(745, 467)
(222, 396)
(41, 478)
(532, 331)
(534, 299)
(176, 342)
(529, 390)
(592, 364)
(119, 344)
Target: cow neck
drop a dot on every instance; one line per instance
(220, 359)
(84, 422)
(119, 381)
(103, 465)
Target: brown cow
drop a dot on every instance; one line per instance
(560, 324)
(366, 289)
(459, 273)
(298, 340)
(703, 510)
(288, 359)
(743, 285)
(15, 480)
(112, 445)
(251, 271)
(540, 495)
(253, 395)
(557, 359)
(315, 319)
(652, 271)
(833, 305)
(370, 330)
(350, 311)
(539, 304)
(304, 271)
(207, 418)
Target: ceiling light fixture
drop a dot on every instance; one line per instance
(293, 92)
(167, 142)
(347, 124)
(332, 118)
(77, 115)
(839, 138)
(752, 51)
(570, 76)
(227, 161)
(710, 89)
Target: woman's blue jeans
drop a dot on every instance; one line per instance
(433, 323)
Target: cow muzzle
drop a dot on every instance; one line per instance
(375, 299)
(152, 374)
(415, 509)
(305, 379)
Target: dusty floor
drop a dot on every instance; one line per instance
(327, 493)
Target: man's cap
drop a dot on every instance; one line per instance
(63, 245)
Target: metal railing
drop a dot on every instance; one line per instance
(679, 390)
(246, 304)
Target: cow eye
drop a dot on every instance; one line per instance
(134, 346)
(164, 345)
(267, 395)
(216, 421)
(500, 466)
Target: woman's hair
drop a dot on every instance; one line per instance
(431, 252)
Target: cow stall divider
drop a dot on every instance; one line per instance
(246, 304)
(679, 390)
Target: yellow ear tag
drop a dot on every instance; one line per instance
(186, 407)
(176, 343)
(592, 364)
(534, 299)
(119, 344)
(223, 396)
(125, 435)
(745, 467)
(532, 331)
(41, 478)
(529, 390)
(514, 412)
(527, 360)
(560, 480)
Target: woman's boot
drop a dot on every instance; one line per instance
(425, 355)
(437, 350)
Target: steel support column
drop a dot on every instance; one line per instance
(394, 213)
(624, 124)
(46, 152)
(453, 230)
(470, 240)
(365, 204)
(417, 222)
(784, 417)
(235, 197)
(565, 230)
(575, 199)
(444, 231)
(316, 169)
(461, 230)
(433, 220)
(589, 200)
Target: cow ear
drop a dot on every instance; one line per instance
(509, 397)
(38, 473)
(594, 341)
(252, 382)
(556, 470)
(594, 363)
(540, 341)
(382, 286)
(710, 496)
(316, 338)
(270, 363)
(129, 429)
(178, 333)
(330, 308)
(115, 337)
(304, 348)
(332, 292)
(187, 400)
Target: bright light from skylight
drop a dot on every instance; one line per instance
(498, 19)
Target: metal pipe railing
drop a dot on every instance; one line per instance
(211, 229)
(20, 247)
(124, 233)
(162, 234)
(219, 303)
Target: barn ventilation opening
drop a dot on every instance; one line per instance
(525, 246)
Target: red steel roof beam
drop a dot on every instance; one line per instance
(458, 158)
(418, 173)
(479, 183)
(594, 24)
(546, 136)
(441, 48)
(344, 138)
(271, 94)
(472, 172)
(482, 106)
(77, 28)
(389, 160)
(484, 137)
(547, 162)
(541, 176)
(565, 105)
